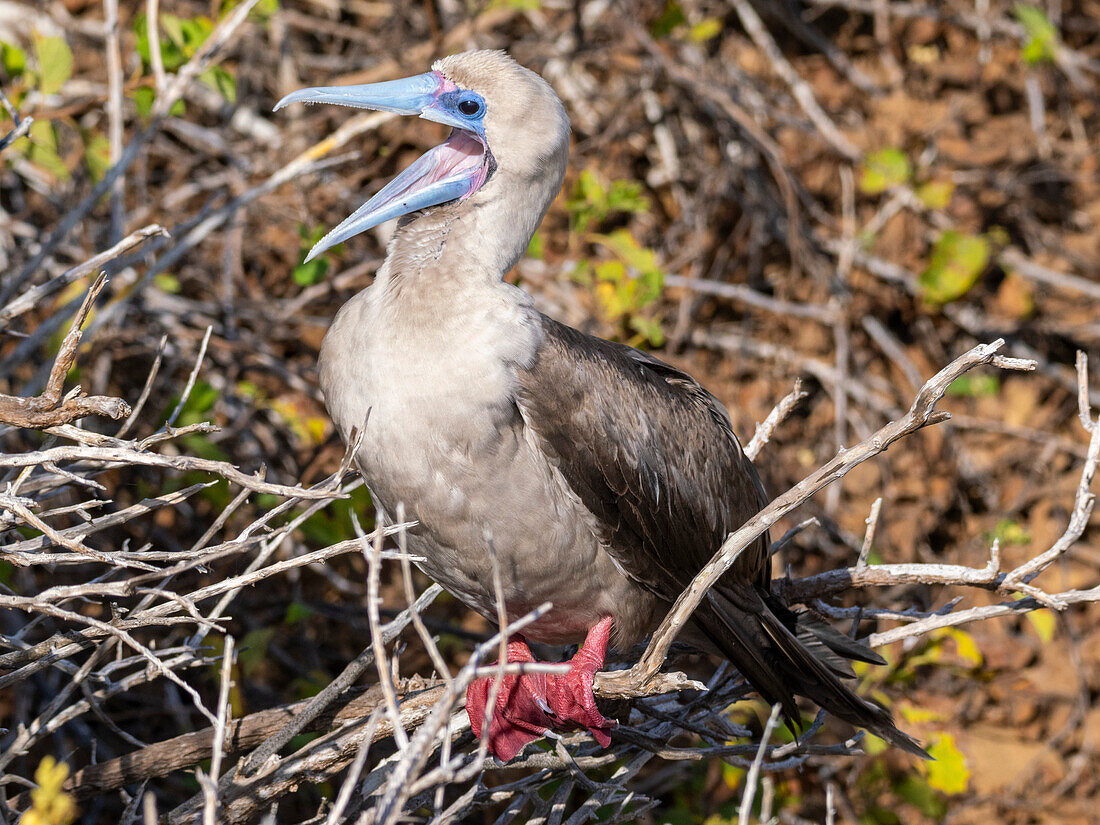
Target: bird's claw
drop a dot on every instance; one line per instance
(532, 705)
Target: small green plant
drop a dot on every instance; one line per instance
(976, 385)
(179, 39)
(312, 272)
(1009, 532)
(51, 68)
(592, 201)
(883, 170)
(1041, 44)
(627, 286)
(957, 262)
(672, 22)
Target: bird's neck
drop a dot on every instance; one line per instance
(468, 243)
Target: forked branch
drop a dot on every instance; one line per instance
(51, 409)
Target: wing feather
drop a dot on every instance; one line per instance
(649, 452)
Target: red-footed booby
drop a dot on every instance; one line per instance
(600, 477)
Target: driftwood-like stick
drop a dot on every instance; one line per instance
(50, 409)
(180, 752)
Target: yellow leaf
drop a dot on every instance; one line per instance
(917, 715)
(883, 170)
(732, 774)
(949, 772)
(965, 645)
(873, 746)
(316, 426)
(936, 194)
(49, 804)
(1044, 623)
(705, 29)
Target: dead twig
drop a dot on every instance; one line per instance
(51, 409)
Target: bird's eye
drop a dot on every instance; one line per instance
(469, 107)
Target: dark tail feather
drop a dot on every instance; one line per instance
(814, 634)
(778, 663)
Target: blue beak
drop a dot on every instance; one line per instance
(451, 171)
(409, 96)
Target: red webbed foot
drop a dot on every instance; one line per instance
(530, 705)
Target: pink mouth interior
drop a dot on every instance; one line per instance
(461, 155)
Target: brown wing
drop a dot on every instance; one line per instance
(649, 452)
(653, 456)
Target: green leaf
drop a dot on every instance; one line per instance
(143, 100)
(145, 96)
(671, 17)
(592, 202)
(187, 34)
(97, 155)
(626, 196)
(956, 263)
(261, 12)
(180, 38)
(221, 81)
(883, 170)
(976, 385)
(535, 248)
(1041, 45)
(13, 59)
(41, 149)
(649, 329)
(296, 612)
(167, 282)
(310, 272)
(637, 257)
(199, 403)
(1008, 531)
(55, 63)
(949, 772)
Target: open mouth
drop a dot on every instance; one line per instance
(462, 160)
(452, 171)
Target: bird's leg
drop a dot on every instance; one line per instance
(519, 713)
(531, 705)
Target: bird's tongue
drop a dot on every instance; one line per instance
(455, 169)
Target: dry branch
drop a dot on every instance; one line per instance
(50, 409)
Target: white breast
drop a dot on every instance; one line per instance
(445, 438)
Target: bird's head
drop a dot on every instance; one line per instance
(507, 125)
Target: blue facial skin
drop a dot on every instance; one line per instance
(467, 108)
